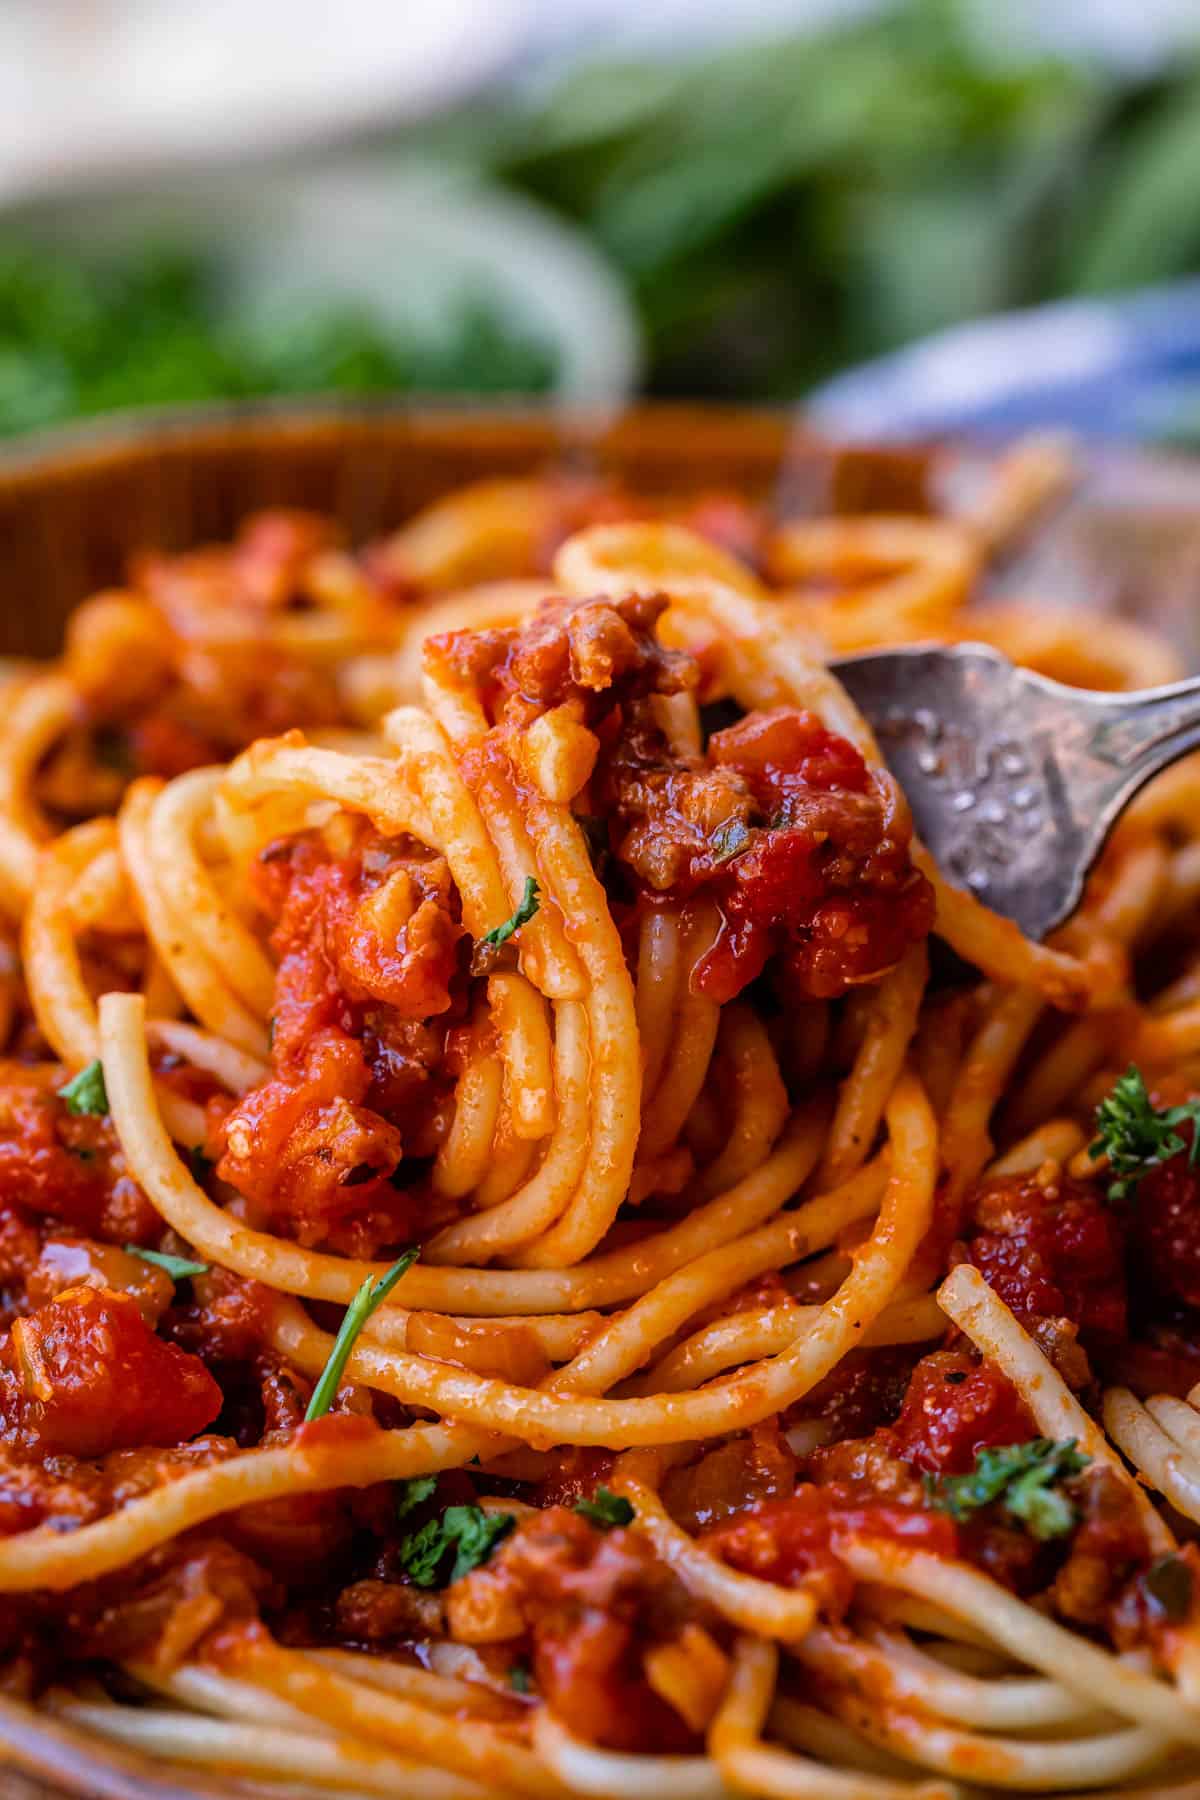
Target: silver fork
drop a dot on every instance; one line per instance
(1014, 780)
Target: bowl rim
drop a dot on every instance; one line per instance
(136, 427)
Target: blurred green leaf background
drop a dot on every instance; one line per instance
(779, 211)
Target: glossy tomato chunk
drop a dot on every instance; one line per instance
(796, 1540)
(954, 1407)
(85, 1375)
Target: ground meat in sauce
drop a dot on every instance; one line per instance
(584, 1606)
(804, 850)
(58, 1165)
(593, 655)
(108, 1373)
(784, 826)
(864, 1390)
(1108, 1550)
(794, 1540)
(739, 1473)
(368, 1000)
(576, 1473)
(158, 1608)
(194, 694)
(826, 883)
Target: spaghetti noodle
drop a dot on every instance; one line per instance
(526, 1269)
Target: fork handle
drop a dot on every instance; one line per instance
(1144, 732)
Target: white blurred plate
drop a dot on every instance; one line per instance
(95, 89)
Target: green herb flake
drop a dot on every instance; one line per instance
(178, 1267)
(728, 841)
(467, 1530)
(86, 1092)
(530, 901)
(605, 1509)
(1137, 1137)
(413, 1493)
(520, 1678)
(1169, 1582)
(369, 1296)
(1022, 1478)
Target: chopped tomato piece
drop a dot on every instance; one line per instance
(955, 1406)
(591, 1603)
(1166, 1227)
(85, 1375)
(796, 1540)
(1053, 1250)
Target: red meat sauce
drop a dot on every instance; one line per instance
(795, 1541)
(1095, 1578)
(60, 1166)
(581, 1607)
(951, 1406)
(1158, 1225)
(874, 1486)
(1052, 1248)
(107, 1373)
(368, 1036)
(955, 1405)
(804, 849)
(194, 692)
(1056, 1252)
(98, 1409)
(64, 1182)
(1165, 1225)
(161, 1607)
(85, 1374)
(105, 1361)
(1107, 1287)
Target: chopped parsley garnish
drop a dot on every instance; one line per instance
(1023, 1478)
(86, 1092)
(413, 1493)
(370, 1295)
(177, 1267)
(729, 840)
(605, 1509)
(530, 901)
(520, 1678)
(467, 1530)
(1137, 1137)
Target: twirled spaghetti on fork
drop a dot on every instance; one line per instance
(526, 1267)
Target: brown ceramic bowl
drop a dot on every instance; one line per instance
(74, 505)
